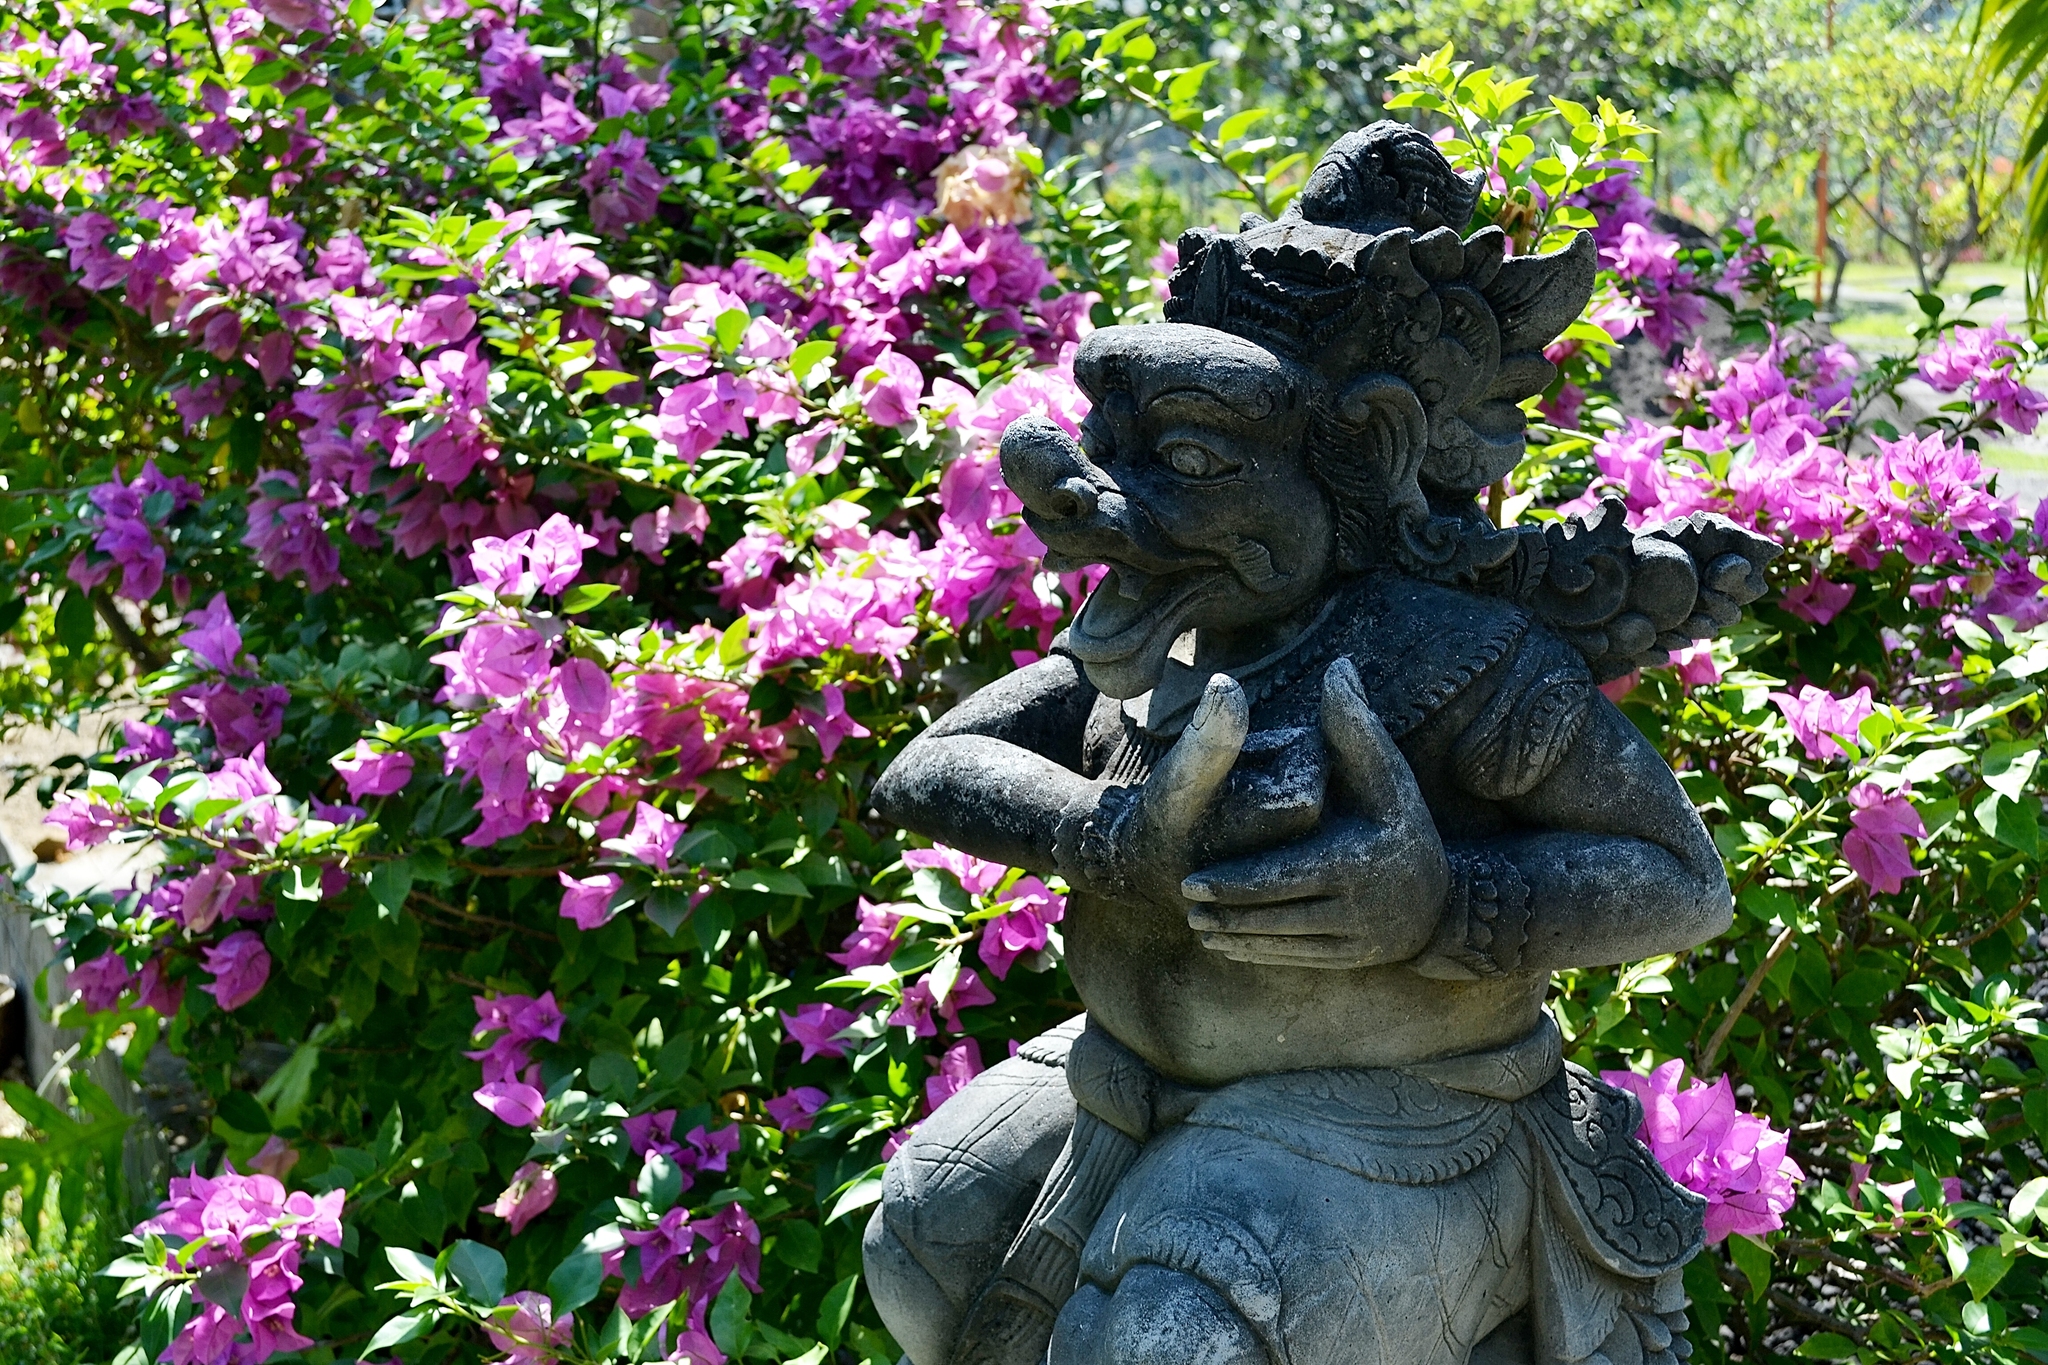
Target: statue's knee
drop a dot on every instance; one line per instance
(1156, 1317)
(954, 1196)
(920, 1312)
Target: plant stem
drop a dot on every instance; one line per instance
(1742, 999)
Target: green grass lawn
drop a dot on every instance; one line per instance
(1879, 314)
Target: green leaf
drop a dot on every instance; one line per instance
(860, 1193)
(576, 1280)
(661, 1183)
(2009, 766)
(601, 382)
(242, 1112)
(1238, 124)
(611, 1341)
(2010, 822)
(771, 881)
(390, 884)
(75, 623)
(1188, 84)
(401, 1329)
(669, 908)
(410, 1266)
(730, 326)
(223, 1285)
(732, 645)
(1113, 41)
(1988, 1265)
(731, 1312)
(289, 1086)
(2027, 1200)
(836, 1309)
(799, 1246)
(805, 360)
(1753, 1259)
(480, 1270)
(584, 596)
(939, 891)
(1826, 1346)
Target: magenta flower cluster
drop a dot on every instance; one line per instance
(240, 1238)
(1736, 1160)
(510, 1089)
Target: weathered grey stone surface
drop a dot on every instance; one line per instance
(1326, 765)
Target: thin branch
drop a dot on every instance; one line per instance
(126, 635)
(1813, 1317)
(1750, 987)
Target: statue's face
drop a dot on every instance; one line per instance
(1190, 484)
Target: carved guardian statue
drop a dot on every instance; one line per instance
(1325, 762)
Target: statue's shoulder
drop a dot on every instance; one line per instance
(1515, 693)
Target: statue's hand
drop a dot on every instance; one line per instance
(1142, 841)
(1367, 888)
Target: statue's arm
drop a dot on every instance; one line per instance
(1616, 862)
(992, 776)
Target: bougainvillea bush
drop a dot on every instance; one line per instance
(523, 471)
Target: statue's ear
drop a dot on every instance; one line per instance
(1535, 297)
(1385, 419)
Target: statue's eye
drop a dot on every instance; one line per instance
(1193, 460)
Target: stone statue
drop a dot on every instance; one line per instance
(1326, 765)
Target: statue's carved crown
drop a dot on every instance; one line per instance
(1366, 282)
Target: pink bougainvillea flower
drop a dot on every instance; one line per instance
(873, 940)
(701, 1149)
(816, 1028)
(623, 185)
(369, 773)
(958, 1065)
(651, 532)
(145, 742)
(1695, 667)
(1817, 717)
(1736, 1160)
(523, 1020)
(588, 900)
(1875, 847)
(437, 320)
(155, 990)
(245, 1235)
(651, 839)
(531, 1194)
(977, 877)
(525, 1327)
(242, 718)
(923, 1008)
(890, 388)
(829, 721)
(556, 553)
(213, 893)
(275, 1158)
(512, 1102)
(85, 821)
(796, 1110)
(101, 981)
(212, 635)
(1031, 907)
(1818, 601)
(239, 965)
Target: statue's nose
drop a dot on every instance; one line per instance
(1047, 469)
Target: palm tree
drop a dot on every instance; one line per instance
(2012, 38)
